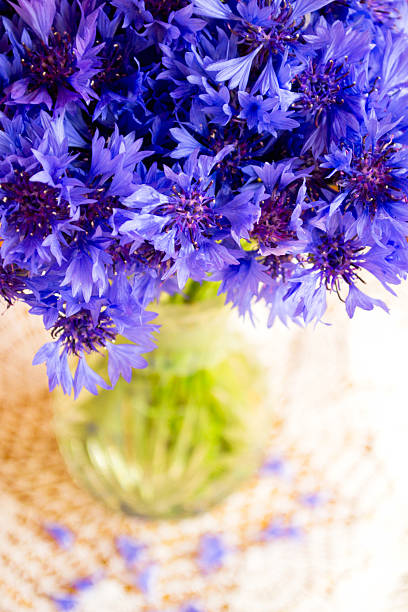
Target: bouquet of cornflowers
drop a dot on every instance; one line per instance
(259, 144)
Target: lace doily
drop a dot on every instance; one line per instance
(321, 528)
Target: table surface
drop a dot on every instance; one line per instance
(336, 480)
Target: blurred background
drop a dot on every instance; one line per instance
(322, 527)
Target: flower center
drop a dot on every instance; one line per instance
(191, 213)
(382, 10)
(245, 150)
(273, 223)
(320, 87)
(371, 176)
(31, 207)
(274, 38)
(112, 66)
(79, 333)
(336, 259)
(99, 211)
(11, 283)
(147, 255)
(161, 9)
(277, 266)
(50, 65)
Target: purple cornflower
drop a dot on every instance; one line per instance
(372, 177)
(12, 283)
(56, 67)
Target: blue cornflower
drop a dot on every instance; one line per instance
(372, 176)
(389, 76)
(313, 500)
(190, 607)
(336, 261)
(217, 106)
(32, 208)
(56, 66)
(12, 282)
(225, 142)
(39, 15)
(332, 85)
(81, 331)
(146, 579)
(274, 465)
(279, 269)
(183, 223)
(382, 12)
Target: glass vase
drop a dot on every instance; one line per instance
(185, 432)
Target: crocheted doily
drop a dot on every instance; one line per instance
(321, 528)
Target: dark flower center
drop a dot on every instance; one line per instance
(112, 66)
(31, 207)
(245, 149)
(273, 223)
(336, 10)
(147, 255)
(161, 9)
(336, 259)
(50, 65)
(274, 38)
(277, 266)
(382, 10)
(99, 210)
(371, 178)
(79, 333)
(320, 87)
(120, 253)
(11, 283)
(191, 212)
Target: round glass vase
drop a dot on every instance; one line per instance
(185, 432)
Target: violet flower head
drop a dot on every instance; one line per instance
(56, 66)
